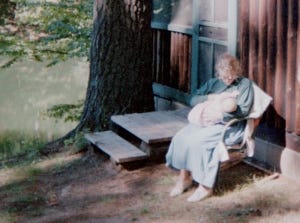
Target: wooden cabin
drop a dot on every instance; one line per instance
(188, 37)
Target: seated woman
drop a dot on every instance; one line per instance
(193, 150)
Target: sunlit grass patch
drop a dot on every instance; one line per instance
(30, 173)
(165, 180)
(14, 143)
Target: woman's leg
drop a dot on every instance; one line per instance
(184, 182)
(184, 175)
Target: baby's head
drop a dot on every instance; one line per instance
(229, 104)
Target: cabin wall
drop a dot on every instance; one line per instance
(269, 50)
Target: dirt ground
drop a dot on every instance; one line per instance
(88, 188)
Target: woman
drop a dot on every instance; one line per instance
(193, 150)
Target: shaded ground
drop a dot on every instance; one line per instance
(87, 187)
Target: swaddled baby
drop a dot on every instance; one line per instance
(211, 111)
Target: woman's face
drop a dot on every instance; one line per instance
(227, 77)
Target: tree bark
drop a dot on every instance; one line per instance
(120, 79)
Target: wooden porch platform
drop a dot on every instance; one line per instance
(153, 130)
(153, 127)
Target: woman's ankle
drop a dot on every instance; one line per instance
(185, 176)
(208, 189)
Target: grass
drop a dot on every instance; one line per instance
(229, 180)
(22, 194)
(35, 186)
(241, 196)
(19, 147)
(23, 191)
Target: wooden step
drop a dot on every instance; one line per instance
(153, 127)
(120, 150)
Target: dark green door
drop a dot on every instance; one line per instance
(214, 33)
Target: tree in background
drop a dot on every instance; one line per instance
(120, 62)
(120, 78)
(51, 31)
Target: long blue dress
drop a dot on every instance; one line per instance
(194, 147)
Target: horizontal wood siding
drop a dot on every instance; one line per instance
(172, 59)
(269, 49)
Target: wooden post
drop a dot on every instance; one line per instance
(244, 37)
(262, 47)
(173, 59)
(271, 46)
(291, 65)
(253, 40)
(232, 27)
(279, 93)
(195, 48)
(185, 68)
(297, 83)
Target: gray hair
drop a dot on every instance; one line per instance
(228, 63)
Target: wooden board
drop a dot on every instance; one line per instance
(153, 127)
(116, 147)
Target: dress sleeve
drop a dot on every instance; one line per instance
(201, 93)
(244, 101)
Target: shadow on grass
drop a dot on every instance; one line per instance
(236, 178)
(23, 197)
(32, 187)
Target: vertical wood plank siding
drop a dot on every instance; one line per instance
(161, 56)
(262, 40)
(297, 82)
(269, 49)
(172, 59)
(244, 34)
(291, 68)
(253, 40)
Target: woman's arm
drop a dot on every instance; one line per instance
(196, 99)
(244, 101)
(205, 92)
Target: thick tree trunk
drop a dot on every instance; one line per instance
(7, 10)
(120, 63)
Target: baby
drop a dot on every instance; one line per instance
(211, 111)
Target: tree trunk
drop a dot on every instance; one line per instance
(7, 10)
(120, 78)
